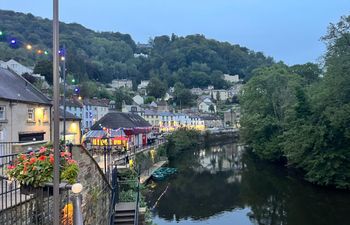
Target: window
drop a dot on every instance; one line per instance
(86, 124)
(86, 115)
(31, 115)
(2, 112)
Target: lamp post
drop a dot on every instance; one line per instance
(56, 134)
(63, 59)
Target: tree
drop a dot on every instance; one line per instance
(265, 102)
(44, 68)
(309, 71)
(156, 88)
(182, 95)
(211, 108)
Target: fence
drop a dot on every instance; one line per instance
(28, 205)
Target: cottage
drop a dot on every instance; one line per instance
(25, 113)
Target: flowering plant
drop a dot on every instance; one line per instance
(36, 168)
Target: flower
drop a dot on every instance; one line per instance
(42, 158)
(32, 160)
(26, 168)
(42, 150)
(10, 167)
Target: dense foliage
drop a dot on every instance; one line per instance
(103, 56)
(292, 114)
(182, 140)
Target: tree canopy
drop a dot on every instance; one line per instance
(294, 115)
(193, 60)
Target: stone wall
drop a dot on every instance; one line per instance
(96, 194)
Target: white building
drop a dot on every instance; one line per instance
(138, 99)
(123, 83)
(205, 106)
(196, 91)
(143, 84)
(220, 95)
(25, 113)
(15, 67)
(231, 78)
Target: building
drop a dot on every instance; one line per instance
(136, 129)
(211, 121)
(220, 95)
(162, 106)
(143, 84)
(206, 106)
(89, 110)
(123, 83)
(25, 113)
(138, 99)
(197, 91)
(16, 67)
(232, 117)
(73, 129)
(231, 78)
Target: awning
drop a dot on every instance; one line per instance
(102, 133)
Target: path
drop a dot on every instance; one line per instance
(145, 175)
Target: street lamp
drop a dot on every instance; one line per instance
(56, 102)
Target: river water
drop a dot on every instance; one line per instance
(223, 185)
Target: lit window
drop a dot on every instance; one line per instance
(2, 112)
(31, 115)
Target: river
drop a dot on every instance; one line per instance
(224, 185)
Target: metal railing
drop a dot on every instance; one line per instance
(29, 205)
(137, 208)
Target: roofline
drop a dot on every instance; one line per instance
(20, 101)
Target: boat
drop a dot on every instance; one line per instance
(163, 172)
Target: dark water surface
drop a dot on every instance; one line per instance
(223, 185)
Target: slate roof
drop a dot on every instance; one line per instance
(69, 116)
(16, 88)
(116, 120)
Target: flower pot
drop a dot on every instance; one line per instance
(40, 191)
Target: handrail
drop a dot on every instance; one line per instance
(136, 216)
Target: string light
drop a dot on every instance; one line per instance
(14, 43)
(63, 58)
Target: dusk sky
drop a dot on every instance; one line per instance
(287, 30)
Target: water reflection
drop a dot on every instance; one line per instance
(220, 184)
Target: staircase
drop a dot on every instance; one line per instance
(124, 213)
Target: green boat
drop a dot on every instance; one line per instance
(163, 172)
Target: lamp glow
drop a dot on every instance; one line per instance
(13, 41)
(77, 188)
(1, 33)
(63, 58)
(29, 47)
(46, 53)
(39, 51)
(79, 97)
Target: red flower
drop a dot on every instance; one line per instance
(10, 167)
(63, 154)
(23, 157)
(71, 161)
(51, 159)
(32, 160)
(42, 158)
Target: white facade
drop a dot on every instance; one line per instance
(205, 106)
(16, 67)
(138, 99)
(231, 78)
(24, 122)
(221, 95)
(123, 83)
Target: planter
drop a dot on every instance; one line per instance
(45, 191)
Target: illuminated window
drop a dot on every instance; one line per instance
(31, 115)
(2, 112)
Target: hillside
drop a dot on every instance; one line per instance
(193, 60)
